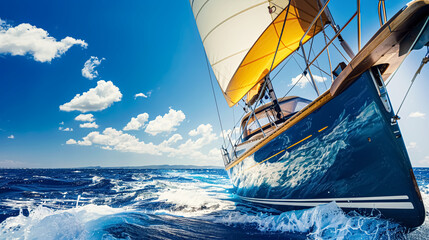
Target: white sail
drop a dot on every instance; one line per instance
(240, 37)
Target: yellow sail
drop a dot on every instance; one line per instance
(240, 38)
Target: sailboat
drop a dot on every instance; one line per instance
(344, 146)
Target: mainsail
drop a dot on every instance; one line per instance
(241, 36)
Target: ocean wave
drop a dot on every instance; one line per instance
(194, 205)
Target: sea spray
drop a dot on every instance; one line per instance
(46, 223)
(322, 222)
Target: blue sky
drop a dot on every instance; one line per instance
(145, 47)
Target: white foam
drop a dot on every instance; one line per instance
(45, 223)
(96, 179)
(423, 231)
(193, 202)
(322, 222)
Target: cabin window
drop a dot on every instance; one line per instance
(266, 116)
(300, 105)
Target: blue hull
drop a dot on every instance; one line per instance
(346, 151)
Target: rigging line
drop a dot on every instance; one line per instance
(280, 38)
(301, 74)
(233, 120)
(409, 51)
(394, 73)
(244, 113)
(338, 50)
(285, 63)
(274, 57)
(309, 54)
(424, 61)
(302, 71)
(329, 57)
(313, 65)
(214, 96)
(312, 40)
(237, 141)
(239, 123)
(317, 64)
(294, 85)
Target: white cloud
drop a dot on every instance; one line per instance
(304, 79)
(137, 123)
(11, 137)
(231, 133)
(417, 115)
(84, 143)
(173, 139)
(203, 129)
(112, 139)
(88, 69)
(119, 141)
(27, 39)
(61, 123)
(166, 123)
(140, 95)
(65, 129)
(71, 141)
(85, 118)
(215, 153)
(96, 99)
(411, 145)
(88, 125)
(192, 148)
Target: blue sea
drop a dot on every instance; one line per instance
(167, 204)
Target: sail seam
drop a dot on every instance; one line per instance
(202, 6)
(232, 55)
(229, 18)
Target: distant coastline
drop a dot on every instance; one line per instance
(159, 167)
(136, 167)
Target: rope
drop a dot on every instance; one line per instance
(303, 74)
(424, 61)
(294, 85)
(280, 38)
(275, 53)
(338, 50)
(321, 74)
(285, 63)
(214, 96)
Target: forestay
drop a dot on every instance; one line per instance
(240, 37)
